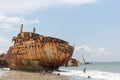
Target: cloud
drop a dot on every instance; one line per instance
(3, 43)
(3, 40)
(84, 48)
(89, 50)
(77, 2)
(9, 7)
(102, 51)
(91, 53)
(25, 6)
(7, 23)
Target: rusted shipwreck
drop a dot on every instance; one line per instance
(3, 60)
(33, 51)
(72, 62)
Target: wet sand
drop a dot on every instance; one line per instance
(22, 75)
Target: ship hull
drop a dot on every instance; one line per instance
(32, 65)
(48, 56)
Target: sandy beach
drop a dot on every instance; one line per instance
(23, 75)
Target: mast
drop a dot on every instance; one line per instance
(33, 30)
(21, 28)
(83, 59)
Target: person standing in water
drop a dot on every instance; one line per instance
(84, 70)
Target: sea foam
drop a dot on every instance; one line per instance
(94, 75)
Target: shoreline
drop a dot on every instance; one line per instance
(23, 75)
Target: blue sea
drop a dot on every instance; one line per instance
(96, 71)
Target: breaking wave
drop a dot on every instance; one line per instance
(94, 75)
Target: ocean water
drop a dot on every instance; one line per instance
(96, 71)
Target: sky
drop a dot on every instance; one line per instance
(92, 26)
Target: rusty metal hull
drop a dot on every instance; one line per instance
(35, 52)
(49, 56)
